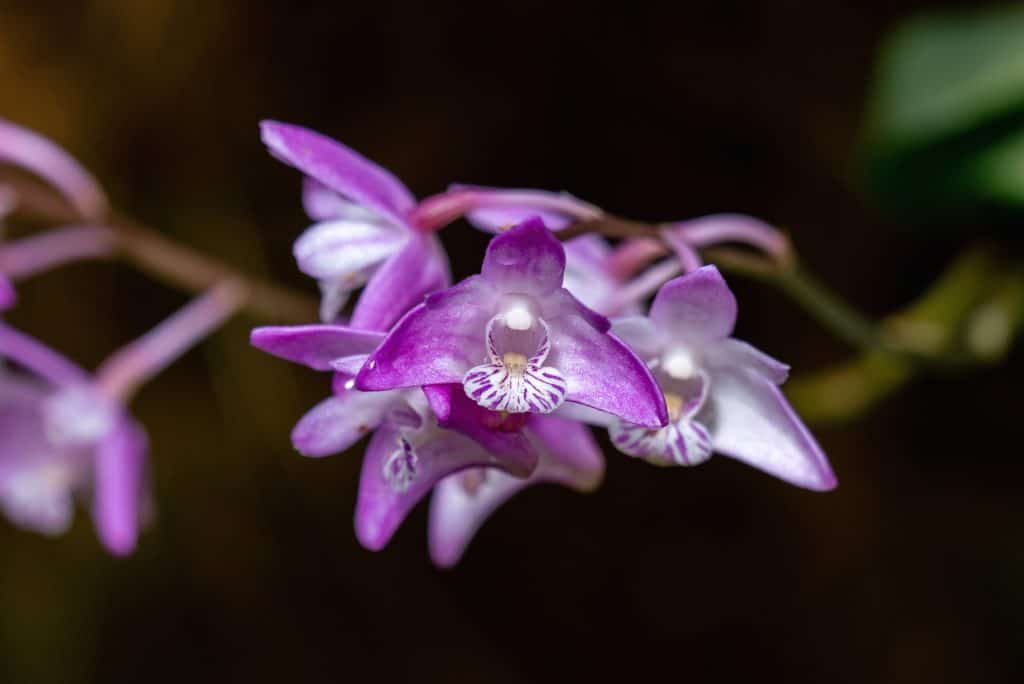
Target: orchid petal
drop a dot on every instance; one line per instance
(738, 354)
(32, 152)
(497, 432)
(640, 333)
(752, 422)
(344, 249)
(570, 457)
(7, 295)
(695, 308)
(499, 208)
(604, 374)
(338, 422)
(436, 342)
(339, 168)
(400, 468)
(119, 481)
(415, 271)
(321, 203)
(39, 359)
(527, 259)
(316, 346)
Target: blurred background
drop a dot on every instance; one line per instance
(912, 570)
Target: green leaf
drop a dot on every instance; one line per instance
(945, 132)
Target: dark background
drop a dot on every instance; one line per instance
(911, 571)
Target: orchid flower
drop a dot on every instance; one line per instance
(722, 394)
(411, 447)
(68, 433)
(516, 340)
(369, 228)
(64, 436)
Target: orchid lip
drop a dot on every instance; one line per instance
(511, 381)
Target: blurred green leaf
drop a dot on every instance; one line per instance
(945, 135)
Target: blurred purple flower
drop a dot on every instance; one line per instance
(539, 345)
(722, 394)
(64, 436)
(67, 433)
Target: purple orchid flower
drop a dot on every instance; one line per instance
(411, 449)
(538, 345)
(63, 436)
(67, 433)
(418, 437)
(722, 394)
(370, 228)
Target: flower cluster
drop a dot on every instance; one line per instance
(476, 390)
(68, 434)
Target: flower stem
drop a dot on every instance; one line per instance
(131, 366)
(168, 261)
(31, 255)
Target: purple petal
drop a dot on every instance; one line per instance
(399, 470)
(498, 433)
(7, 295)
(436, 342)
(604, 374)
(339, 168)
(338, 422)
(345, 248)
(527, 259)
(697, 307)
(321, 203)
(39, 358)
(570, 457)
(32, 152)
(640, 333)
(316, 346)
(420, 268)
(120, 477)
(753, 423)
(738, 354)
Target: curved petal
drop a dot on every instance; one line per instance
(321, 203)
(7, 296)
(418, 269)
(119, 480)
(499, 433)
(32, 152)
(640, 333)
(436, 342)
(738, 354)
(339, 168)
(39, 359)
(399, 470)
(570, 457)
(495, 209)
(338, 422)
(604, 374)
(527, 259)
(345, 248)
(316, 346)
(751, 421)
(697, 307)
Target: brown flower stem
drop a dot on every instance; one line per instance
(168, 261)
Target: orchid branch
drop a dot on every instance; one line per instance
(168, 261)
